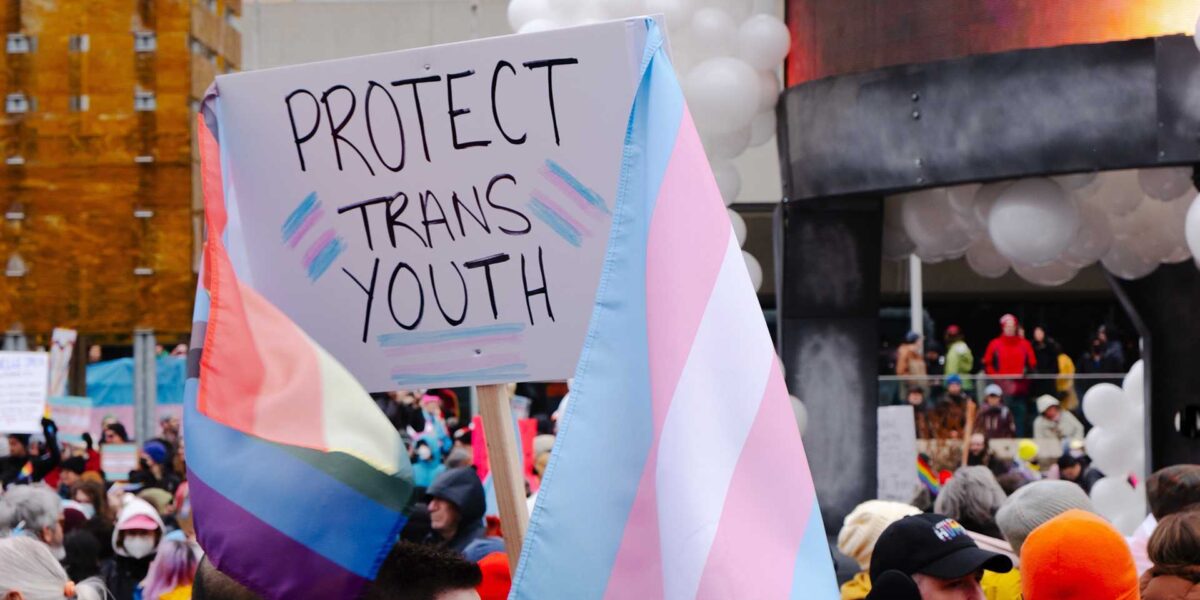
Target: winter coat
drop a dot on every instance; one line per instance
(122, 573)
(910, 361)
(1171, 583)
(1010, 355)
(960, 361)
(1067, 427)
(995, 422)
(10, 466)
(425, 471)
(462, 488)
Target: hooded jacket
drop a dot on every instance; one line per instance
(462, 488)
(995, 422)
(123, 573)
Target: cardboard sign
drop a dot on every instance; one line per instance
(896, 457)
(73, 415)
(433, 217)
(118, 461)
(23, 377)
(62, 345)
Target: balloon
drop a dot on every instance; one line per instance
(1119, 193)
(1165, 183)
(1145, 230)
(722, 94)
(1033, 221)
(1125, 262)
(537, 25)
(985, 260)
(763, 41)
(1134, 386)
(1177, 255)
(1027, 450)
(727, 146)
(762, 128)
(1109, 451)
(896, 245)
(617, 9)
(729, 181)
(1048, 275)
(715, 31)
(521, 12)
(768, 90)
(1075, 181)
(985, 198)
(738, 9)
(677, 12)
(1092, 240)
(1192, 228)
(801, 414)
(962, 199)
(756, 273)
(739, 227)
(932, 223)
(1113, 496)
(1105, 405)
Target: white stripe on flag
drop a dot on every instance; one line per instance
(710, 415)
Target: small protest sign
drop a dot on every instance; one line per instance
(23, 377)
(896, 457)
(73, 415)
(118, 461)
(62, 346)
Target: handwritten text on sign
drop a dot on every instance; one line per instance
(23, 380)
(436, 216)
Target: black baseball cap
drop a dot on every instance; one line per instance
(933, 545)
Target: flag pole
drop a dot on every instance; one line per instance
(505, 466)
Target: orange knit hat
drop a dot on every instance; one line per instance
(496, 577)
(1077, 556)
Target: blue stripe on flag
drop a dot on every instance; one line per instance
(610, 396)
(813, 579)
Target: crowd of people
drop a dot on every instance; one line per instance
(67, 531)
(1041, 541)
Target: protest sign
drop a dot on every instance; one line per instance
(23, 377)
(73, 415)
(62, 345)
(118, 461)
(896, 458)
(433, 217)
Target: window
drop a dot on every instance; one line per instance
(144, 101)
(19, 43)
(145, 41)
(78, 43)
(16, 103)
(79, 103)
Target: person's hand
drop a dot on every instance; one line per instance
(49, 426)
(894, 585)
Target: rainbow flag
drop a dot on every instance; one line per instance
(927, 476)
(297, 479)
(679, 471)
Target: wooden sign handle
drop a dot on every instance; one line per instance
(968, 429)
(505, 465)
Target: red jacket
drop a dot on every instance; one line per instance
(1009, 355)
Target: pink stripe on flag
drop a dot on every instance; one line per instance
(308, 223)
(570, 192)
(689, 220)
(556, 209)
(458, 364)
(317, 246)
(760, 553)
(451, 345)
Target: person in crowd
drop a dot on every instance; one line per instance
(139, 531)
(402, 409)
(1055, 423)
(922, 412)
(153, 467)
(171, 574)
(1010, 357)
(1077, 556)
(1174, 549)
(1072, 469)
(972, 498)
(1064, 386)
(910, 361)
(83, 555)
(949, 415)
(930, 557)
(425, 468)
(1112, 348)
(456, 508)
(1026, 460)
(1045, 353)
(33, 511)
(211, 584)
(436, 432)
(956, 392)
(1032, 505)
(1094, 361)
(70, 473)
(179, 462)
(1012, 481)
(28, 571)
(114, 433)
(995, 420)
(169, 426)
(979, 454)
(959, 360)
(935, 367)
(94, 503)
(23, 466)
(417, 572)
(95, 353)
(1168, 491)
(860, 530)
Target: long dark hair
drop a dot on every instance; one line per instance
(1176, 540)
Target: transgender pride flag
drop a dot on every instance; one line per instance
(297, 479)
(679, 471)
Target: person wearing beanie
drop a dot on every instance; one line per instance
(1175, 550)
(1010, 356)
(930, 557)
(154, 470)
(959, 360)
(972, 498)
(1054, 423)
(860, 530)
(1034, 504)
(995, 420)
(70, 473)
(1077, 556)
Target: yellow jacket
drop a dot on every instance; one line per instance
(183, 592)
(857, 588)
(1002, 586)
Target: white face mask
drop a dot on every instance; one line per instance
(139, 547)
(88, 510)
(59, 552)
(424, 453)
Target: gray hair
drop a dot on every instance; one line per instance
(972, 497)
(30, 507)
(28, 567)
